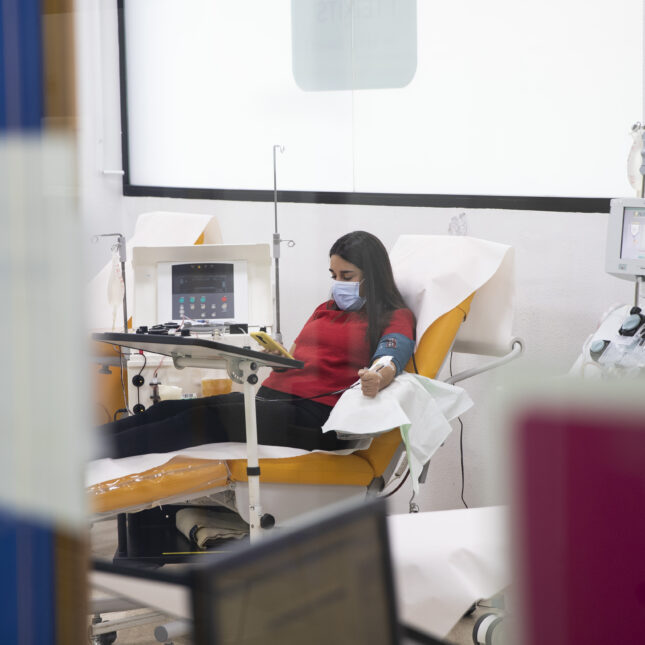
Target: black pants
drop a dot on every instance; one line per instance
(282, 420)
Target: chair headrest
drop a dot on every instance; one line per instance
(437, 272)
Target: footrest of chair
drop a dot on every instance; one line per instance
(177, 476)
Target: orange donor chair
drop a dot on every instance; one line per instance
(289, 486)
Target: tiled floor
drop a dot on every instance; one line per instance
(103, 536)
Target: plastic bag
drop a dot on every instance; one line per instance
(116, 287)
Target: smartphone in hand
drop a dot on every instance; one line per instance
(269, 343)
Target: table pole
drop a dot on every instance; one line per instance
(252, 464)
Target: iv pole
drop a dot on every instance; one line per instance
(640, 278)
(120, 245)
(277, 332)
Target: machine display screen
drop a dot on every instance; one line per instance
(203, 291)
(633, 241)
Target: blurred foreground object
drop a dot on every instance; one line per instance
(42, 505)
(580, 494)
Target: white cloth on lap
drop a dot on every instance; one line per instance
(421, 407)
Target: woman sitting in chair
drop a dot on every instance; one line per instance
(365, 320)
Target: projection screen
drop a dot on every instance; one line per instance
(399, 97)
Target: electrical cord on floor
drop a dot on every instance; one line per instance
(461, 445)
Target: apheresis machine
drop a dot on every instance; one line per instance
(193, 306)
(212, 291)
(617, 348)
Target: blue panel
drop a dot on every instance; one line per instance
(3, 105)
(31, 64)
(9, 585)
(21, 61)
(27, 596)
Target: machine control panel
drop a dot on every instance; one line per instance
(203, 290)
(619, 344)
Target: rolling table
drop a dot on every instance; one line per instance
(241, 364)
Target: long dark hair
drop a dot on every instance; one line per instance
(367, 252)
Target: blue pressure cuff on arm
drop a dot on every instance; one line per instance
(398, 346)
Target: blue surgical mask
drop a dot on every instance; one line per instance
(346, 295)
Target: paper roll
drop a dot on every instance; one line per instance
(436, 272)
(170, 392)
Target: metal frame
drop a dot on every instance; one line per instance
(511, 202)
(517, 347)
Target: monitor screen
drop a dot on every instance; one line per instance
(633, 239)
(625, 251)
(204, 290)
(328, 585)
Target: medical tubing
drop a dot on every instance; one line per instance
(319, 396)
(461, 452)
(407, 473)
(158, 366)
(107, 414)
(405, 477)
(307, 398)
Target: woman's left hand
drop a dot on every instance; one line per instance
(370, 382)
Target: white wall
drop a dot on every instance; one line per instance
(562, 286)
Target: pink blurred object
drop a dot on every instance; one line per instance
(581, 518)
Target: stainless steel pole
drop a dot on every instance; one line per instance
(277, 332)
